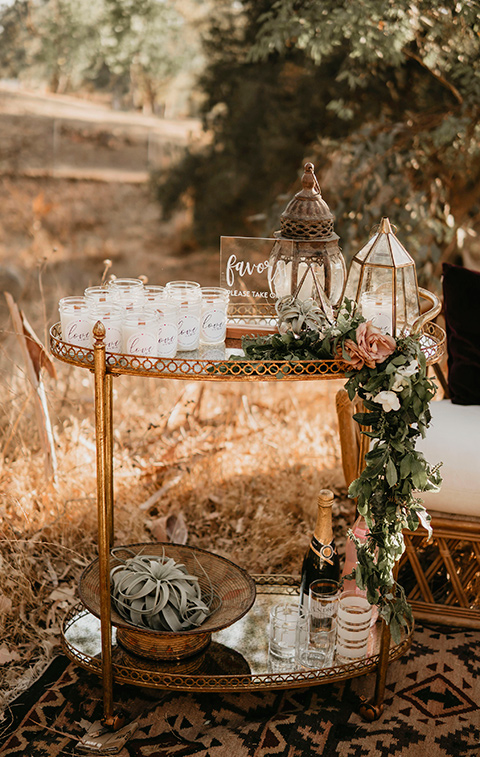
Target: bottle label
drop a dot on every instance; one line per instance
(167, 340)
(78, 332)
(324, 551)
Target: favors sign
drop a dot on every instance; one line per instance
(244, 267)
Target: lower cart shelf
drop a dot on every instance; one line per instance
(236, 659)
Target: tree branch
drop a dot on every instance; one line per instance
(444, 82)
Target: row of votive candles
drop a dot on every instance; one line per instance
(150, 321)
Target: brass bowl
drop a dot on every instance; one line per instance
(233, 586)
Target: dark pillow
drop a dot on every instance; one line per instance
(461, 297)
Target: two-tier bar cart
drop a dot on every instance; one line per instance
(236, 659)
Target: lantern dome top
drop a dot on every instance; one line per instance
(307, 215)
(384, 249)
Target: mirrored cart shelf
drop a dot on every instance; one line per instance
(215, 363)
(236, 659)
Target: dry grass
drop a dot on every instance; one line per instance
(239, 464)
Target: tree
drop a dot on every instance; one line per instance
(409, 88)
(141, 46)
(134, 47)
(259, 117)
(383, 96)
(64, 40)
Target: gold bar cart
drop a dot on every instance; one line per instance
(234, 661)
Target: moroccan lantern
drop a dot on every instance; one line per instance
(382, 280)
(306, 261)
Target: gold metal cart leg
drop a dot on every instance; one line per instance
(104, 522)
(372, 710)
(109, 455)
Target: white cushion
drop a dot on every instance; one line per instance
(453, 438)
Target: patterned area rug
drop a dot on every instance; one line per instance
(432, 707)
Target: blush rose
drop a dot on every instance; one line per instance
(372, 346)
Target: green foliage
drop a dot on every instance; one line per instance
(396, 394)
(394, 471)
(129, 46)
(383, 97)
(408, 87)
(259, 118)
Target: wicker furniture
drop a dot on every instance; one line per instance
(441, 576)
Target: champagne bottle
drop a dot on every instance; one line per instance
(321, 559)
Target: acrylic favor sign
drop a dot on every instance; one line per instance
(244, 268)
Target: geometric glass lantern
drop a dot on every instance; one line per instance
(306, 261)
(382, 280)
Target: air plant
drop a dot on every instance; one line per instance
(155, 591)
(299, 315)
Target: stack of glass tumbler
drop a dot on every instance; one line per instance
(147, 321)
(333, 626)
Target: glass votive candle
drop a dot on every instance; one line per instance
(129, 292)
(153, 294)
(188, 295)
(167, 340)
(377, 308)
(182, 284)
(100, 295)
(140, 332)
(111, 316)
(213, 322)
(75, 321)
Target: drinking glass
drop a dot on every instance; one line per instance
(354, 616)
(319, 650)
(287, 631)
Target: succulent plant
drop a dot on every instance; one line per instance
(155, 591)
(299, 315)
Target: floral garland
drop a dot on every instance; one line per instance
(390, 377)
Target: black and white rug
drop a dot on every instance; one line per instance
(432, 709)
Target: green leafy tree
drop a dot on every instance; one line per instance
(383, 96)
(141, 46)
(133, 47)
(408, 87)
(259, 118)
(64, 40)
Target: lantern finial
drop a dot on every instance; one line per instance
(309, 180)
(385, 226)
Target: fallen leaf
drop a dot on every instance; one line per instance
(5, 604)
(7, 656)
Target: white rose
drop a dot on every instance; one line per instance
(405, 371)
(399, 383)
(388, 401)
(408, 370)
